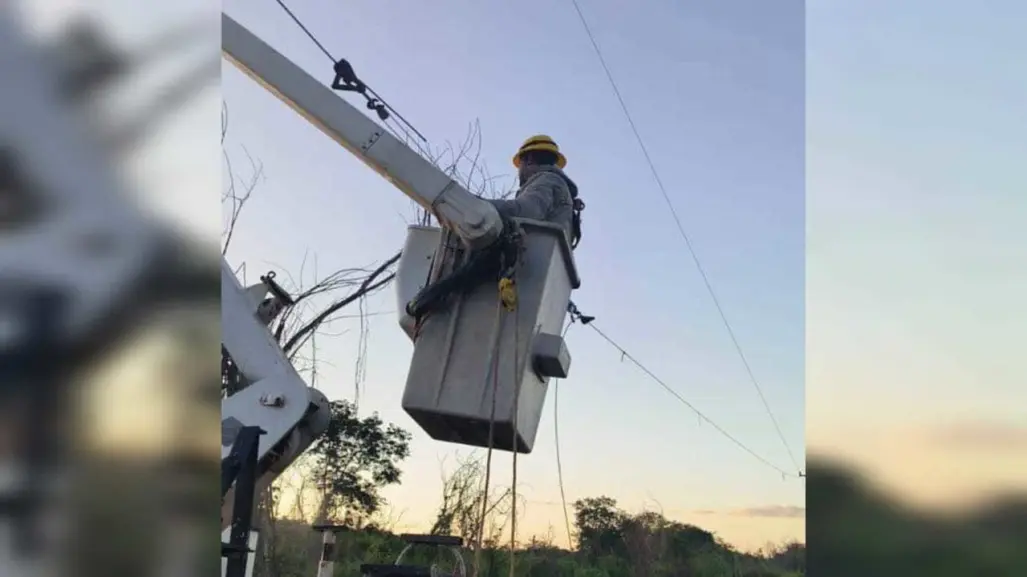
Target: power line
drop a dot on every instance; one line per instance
(575, 316)
(306, 30)
(702, 417)
(684, 234)
(370, 90)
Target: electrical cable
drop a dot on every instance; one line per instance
(374, 94)
(684, 234)
(306, 30)
(700, 414)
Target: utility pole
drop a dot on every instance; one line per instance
(326, 565)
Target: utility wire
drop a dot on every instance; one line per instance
(374, 94)
(306, 30)
(684, 234)
(702, 417)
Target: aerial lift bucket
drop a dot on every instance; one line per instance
(454, 371)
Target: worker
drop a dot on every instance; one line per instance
(545, 193)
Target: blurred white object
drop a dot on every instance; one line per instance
(69, 226)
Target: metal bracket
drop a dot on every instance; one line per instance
(371, 141)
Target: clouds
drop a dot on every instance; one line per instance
(771, 511)
(779, 511)
(980, 436)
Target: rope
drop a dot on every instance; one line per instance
(502, 305)
(556, 434)
(494, 369)
(513, 429)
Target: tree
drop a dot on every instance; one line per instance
(463, 497)
(353, 461)
(599, 524)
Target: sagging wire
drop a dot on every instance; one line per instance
(684, 234)
(625, 355)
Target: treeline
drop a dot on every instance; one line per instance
(340, 480)
(611, 543)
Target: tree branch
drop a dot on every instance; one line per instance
(369, 285)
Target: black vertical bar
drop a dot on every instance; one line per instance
(31, 368)
(328, 552)
(242, 509)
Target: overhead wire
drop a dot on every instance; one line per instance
(305, 29)
(405, 126)
(702, 416)
(684, 234)
(575, 316)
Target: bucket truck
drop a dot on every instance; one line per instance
(472, 380)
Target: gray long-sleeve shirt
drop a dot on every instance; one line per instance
(546, 194)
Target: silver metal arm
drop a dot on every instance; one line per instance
(276, 398)
(474, 220)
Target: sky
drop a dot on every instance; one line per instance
(869, 251)
(915, 247)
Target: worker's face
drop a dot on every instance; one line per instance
(527, 164)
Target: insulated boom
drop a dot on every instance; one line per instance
(474, 220)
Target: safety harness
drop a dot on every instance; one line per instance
(496, 262)
(578, 206)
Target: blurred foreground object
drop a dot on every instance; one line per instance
(856, 530)
(98, 304)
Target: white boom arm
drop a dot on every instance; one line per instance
(276, 399)
(473, 219)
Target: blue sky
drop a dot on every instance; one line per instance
(913, 176)
(914, 207)
(718, 97)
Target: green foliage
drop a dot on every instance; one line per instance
(354, 460)
(358, 457)
(599, 523)
(859, 531)
(687, 551)
(863, 532)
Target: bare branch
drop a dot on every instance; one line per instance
(370, 284)
(464, 164)
(235, 196)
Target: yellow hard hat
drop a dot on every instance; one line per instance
(540, 142)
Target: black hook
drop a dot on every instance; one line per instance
(346, 80)
(379, 107)
(344, 73)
